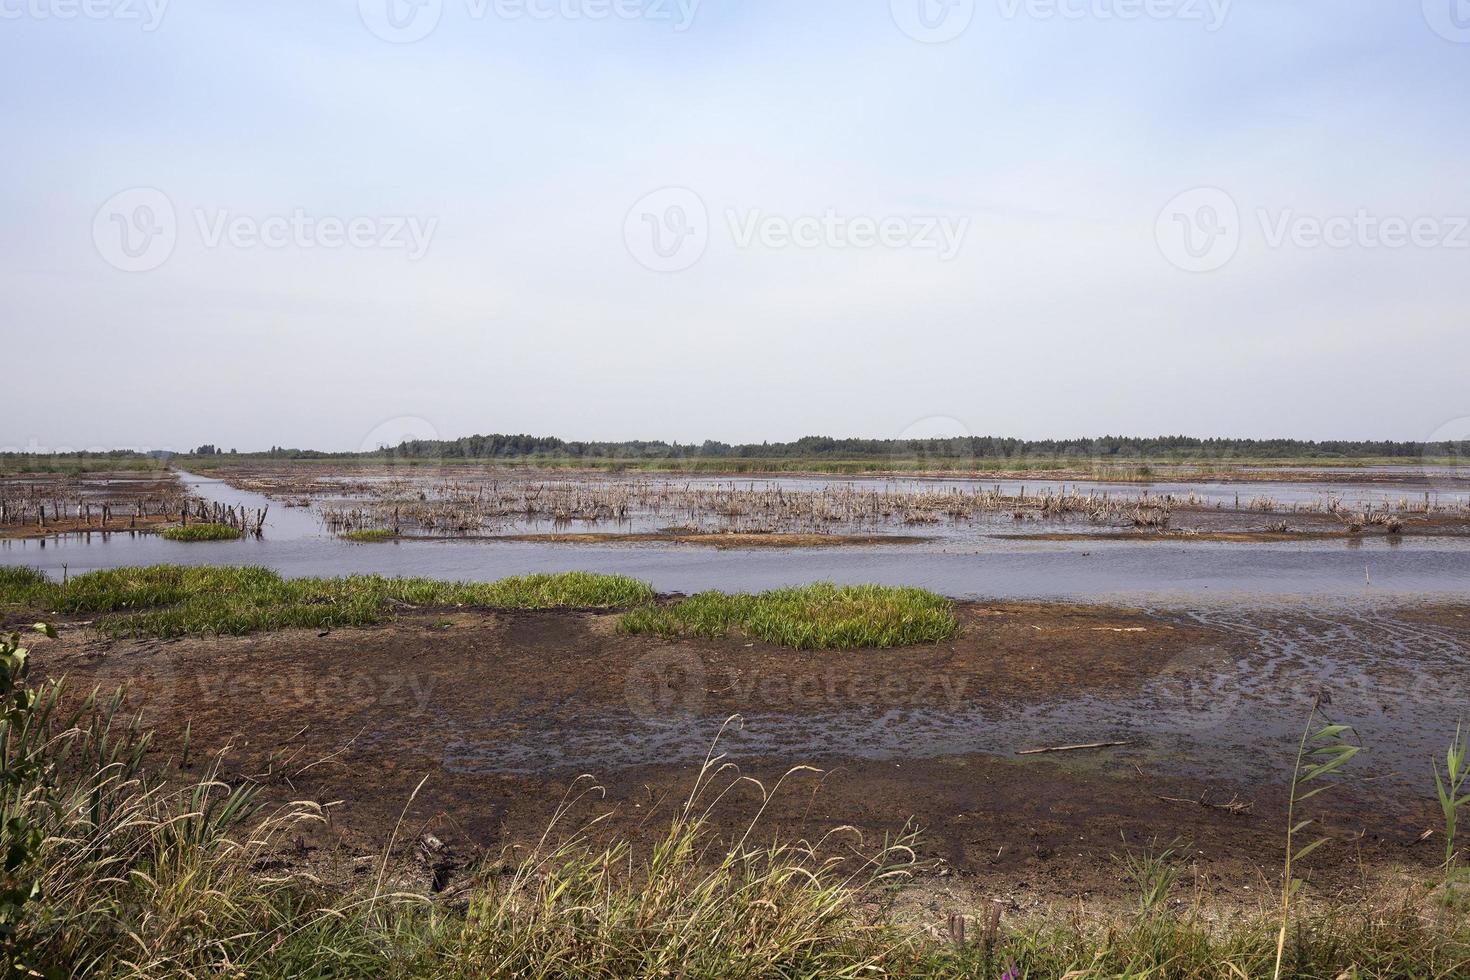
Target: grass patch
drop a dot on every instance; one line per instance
(202, 532)
(813, 617)
(369, 535)
(178, 600)
(24, 588)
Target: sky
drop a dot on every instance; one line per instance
(338, 223)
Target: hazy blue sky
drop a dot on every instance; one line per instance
(986, 197)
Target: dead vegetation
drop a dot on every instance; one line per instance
(460, 502)
(54, 503)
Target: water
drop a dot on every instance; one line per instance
(968, 562)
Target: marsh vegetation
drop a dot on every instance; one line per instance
(177, 600)
(203, 532)
(475, 502)
(822, 616)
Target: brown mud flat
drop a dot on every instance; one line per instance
(716, 539)
(502, 710)
(147, 524)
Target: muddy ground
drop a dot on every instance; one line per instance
(502, 711)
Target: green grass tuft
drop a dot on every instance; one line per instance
(202, 532)
(367, 535)
(813, 617)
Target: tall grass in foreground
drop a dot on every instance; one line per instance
(178, 600)
(1449, 789)
(1321, 756)
(108, 871)
(812, 617)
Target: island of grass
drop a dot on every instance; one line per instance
(369, 535)
(813, 617)
(174, 600)
(202, 532)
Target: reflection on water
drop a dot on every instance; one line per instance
(965, 566)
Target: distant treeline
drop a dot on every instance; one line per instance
(1105, 448)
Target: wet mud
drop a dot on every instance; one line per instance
(504, 711)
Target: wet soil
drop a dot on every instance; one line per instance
(502, 711)
(96, 525)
